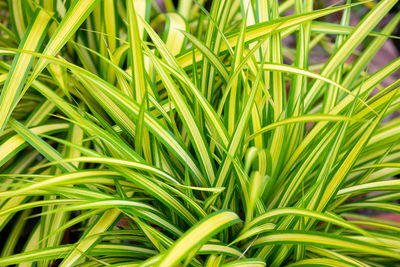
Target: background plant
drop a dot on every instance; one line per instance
(139, 133)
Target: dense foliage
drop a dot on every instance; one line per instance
(197, 133)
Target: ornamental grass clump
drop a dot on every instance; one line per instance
(197, 133)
